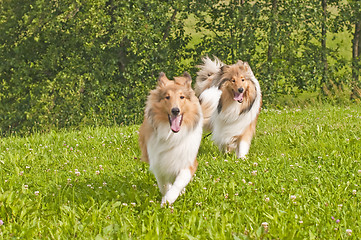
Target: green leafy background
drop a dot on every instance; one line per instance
(92, 62)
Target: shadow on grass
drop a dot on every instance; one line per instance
(137, 187)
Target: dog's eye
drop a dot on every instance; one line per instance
(167, 97)
(233, 80)
(242, 79)
(181, 97)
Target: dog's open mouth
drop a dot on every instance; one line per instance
(175, 122)
(238, 96)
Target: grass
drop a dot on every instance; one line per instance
(302, 177)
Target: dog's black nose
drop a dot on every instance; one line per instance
(240, 90)
(175, 111)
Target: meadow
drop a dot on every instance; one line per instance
(301, 180)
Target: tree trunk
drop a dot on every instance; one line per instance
(356, 55)
(271, 41)
(323, 42)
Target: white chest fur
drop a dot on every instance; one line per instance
(170, 152)
(230, 123)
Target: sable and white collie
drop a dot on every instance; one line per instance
(231, 100)
(171, 133)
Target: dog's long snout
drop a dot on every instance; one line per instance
(175, 111)
(240, 90)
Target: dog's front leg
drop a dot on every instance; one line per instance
(163, 184)
(242, 149)
(179, 184)
(244, 141)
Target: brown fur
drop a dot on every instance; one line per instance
(145, 132)
(194, 167)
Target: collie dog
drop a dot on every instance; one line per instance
(231, 100)
(171, 133)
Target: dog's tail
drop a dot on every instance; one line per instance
(209, 100)
(206, 72)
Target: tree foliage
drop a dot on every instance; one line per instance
(75, 62)
(68, 62)
(350, 18)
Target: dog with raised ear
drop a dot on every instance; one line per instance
(231, 100)
(171, 133)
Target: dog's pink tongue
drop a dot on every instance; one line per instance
(238, 96)
(175, 123)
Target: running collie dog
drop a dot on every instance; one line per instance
(231, 100)
(171, 133)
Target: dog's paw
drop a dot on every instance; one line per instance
(165, 202)
(242, 150)
(170, 197)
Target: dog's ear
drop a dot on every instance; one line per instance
(188, 78)
(224, 68)
(240, 63)
(243, 65)
(185, 80)
(163, 80)
(246, 66)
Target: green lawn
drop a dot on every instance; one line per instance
(302, 178)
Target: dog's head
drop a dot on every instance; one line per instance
(174, 99)
(236, 79)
